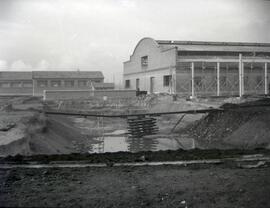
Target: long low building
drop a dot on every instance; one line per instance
(195, 68)
(36, 82)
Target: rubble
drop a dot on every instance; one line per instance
(235, 128)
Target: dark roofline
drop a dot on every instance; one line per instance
(10, 75)
(72, 74)
(176, 42)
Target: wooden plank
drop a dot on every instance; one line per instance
(130, 115)
(178, 122)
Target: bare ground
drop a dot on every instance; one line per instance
(160, 186)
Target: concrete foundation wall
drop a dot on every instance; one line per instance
(86, 94)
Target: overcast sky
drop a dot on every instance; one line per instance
(102, 34)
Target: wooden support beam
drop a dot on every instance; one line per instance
(192, 81)
(178, 122)
(131, 115)
(265, 79)
(218, 78)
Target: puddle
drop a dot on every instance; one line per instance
(116, 133)
(129, 144)
(118, 140)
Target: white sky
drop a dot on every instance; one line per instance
(102, 34)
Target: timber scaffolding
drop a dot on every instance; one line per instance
(199, 111)
(139, 125)
(142, 124)
(84, 114)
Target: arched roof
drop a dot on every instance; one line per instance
(143, 39)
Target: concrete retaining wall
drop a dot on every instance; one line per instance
(86, 94)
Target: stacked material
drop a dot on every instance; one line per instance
(141, 126)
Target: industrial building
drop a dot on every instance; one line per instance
(195, 68)
(36, 82)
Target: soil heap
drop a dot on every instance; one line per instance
(245, 126)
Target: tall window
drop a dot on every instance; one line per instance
(16, 84)
(137, 84)
(69, 83)
(4, 84)
(42, 83)
(56, 83)
(27, 84)
(127, 83)
(82, 83)
(167, 80)
(144, 61)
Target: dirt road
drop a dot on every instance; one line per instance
(161, 186)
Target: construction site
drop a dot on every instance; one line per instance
(135, 104)
(141, 151)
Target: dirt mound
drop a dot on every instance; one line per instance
(234, 128)
(44, 136)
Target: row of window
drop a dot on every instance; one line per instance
(15, 84)
(58, 83)
(167, 81)
(45, 83)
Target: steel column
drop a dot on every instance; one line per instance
(218, 81)
(240, 76)
(265, 79)
(192, 80)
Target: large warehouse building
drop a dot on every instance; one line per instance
(194, 68)
(36, 82)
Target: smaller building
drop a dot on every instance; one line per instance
(103, 86)
(16, 83)
(36, 82)
(65, 80)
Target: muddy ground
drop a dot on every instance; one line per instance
(160, 186)
(50, 139)
(123, 157)
(25, 130)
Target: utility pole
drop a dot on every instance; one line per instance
(241, 84)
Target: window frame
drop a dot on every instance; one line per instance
(127, 84)
(167, 79)
(42, 81)
(72, 83)
(80, 81)
(55, 81)
(27, 84)
(15, 84)
(144, 61)
(5, 85)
